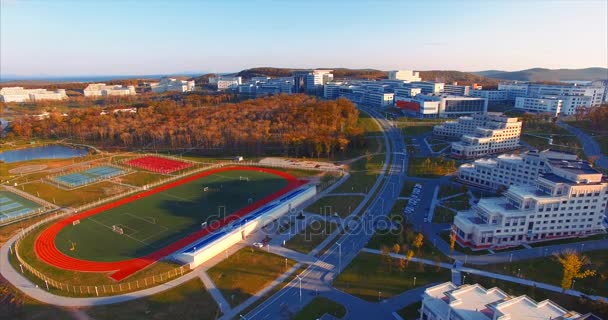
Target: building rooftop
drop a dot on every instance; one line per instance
(576, 167)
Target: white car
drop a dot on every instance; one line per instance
(258, 244)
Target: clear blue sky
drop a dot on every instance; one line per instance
(62, 38)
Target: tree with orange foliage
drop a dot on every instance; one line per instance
(573, 264)
(419, 242)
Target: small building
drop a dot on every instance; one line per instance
(103, 90)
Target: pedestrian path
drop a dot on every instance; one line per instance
(214, 291)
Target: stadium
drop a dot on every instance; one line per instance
(187, 221)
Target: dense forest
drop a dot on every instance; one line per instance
(297, 125)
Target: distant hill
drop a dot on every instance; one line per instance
(548, 75)
(463, 78)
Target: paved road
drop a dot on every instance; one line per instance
(590, 146)
(317, 279)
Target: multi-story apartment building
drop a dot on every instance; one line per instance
(457, 90)
(602, 84)
(447, 301)
(468, 124)
(493, 96)
(223, 83)
(510, 169)
(101, 89)
(19, 94)
(311, 82)
(170, 84)
(405, 75)
(567, 201)
(550, 104)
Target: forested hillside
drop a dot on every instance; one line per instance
(298, 125)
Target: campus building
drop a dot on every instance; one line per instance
(493, 96)
(550, 104)
(311, 82)
(171, 84)
(103, 90)
(266, 86)
(457, 90)
(568, 200)
(405, 75)
(447, 301)
(510, 169)
(481, 134)
(19, 94)
(415, 103)
(426, 87)
(223, 83)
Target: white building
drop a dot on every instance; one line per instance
(510, 169)
(264, 86)
(331, 90)
(457, 90)
(427, 87)
(550, 104)
(223, 83)
(490, 95)
(573, 96)
(406, 75)
(481, 134)
(171, 84)
(19, 94)
(418, 104)
(312, 82)
(101, 89)
(447, 301)
(567, 201)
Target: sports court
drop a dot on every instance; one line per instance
(158, 222)
(13, 206)
(78, 179)
(158, 164)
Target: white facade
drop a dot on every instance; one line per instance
(427, 87)
(19, 94)
(101, 89)
(457, 90)
(490, 95)
(510, 169)
(447, 301)
(567, 201)
(225, 82)
(264, 86)
(481, 134)
(550, 105)
(595, 93)
(406, 75)
(171, 84)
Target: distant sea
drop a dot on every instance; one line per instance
(93, 78)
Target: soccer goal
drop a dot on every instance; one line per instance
(205, 189)
(76, 222)
(117, 229)
(241, 178)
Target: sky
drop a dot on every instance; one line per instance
(70, 38)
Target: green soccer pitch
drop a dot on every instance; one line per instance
(155, 221)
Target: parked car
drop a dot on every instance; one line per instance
(258, 244)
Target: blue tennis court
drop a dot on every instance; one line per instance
(14, 206)
(88, 176)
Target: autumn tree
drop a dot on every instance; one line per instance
(409, 255)
(452, 241)
(419, 242)
(573, 265)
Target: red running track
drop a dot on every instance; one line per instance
(158, 164)
(47, 251)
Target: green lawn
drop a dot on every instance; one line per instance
(369, 276)
(413, 129)
(190, 300)
(443, 215)
(389, 239)
(312, 236)
(140, 178)
(320, 306)
(246, 272)
(14, 304)
(329, 205)
(537, 135)
(446, 190)
(364, 173)
(430, 167)
(410, 312)
(76, 197)
(153, 222)
(550, 271)
(408, 187)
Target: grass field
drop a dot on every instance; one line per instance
(187, 301)
(320, 306)
(328, 205)
(363, 174)
(246, 272)
(430, 167)
(369, 276)
(140, 178)
(76, 197)
(410, 312)
(312, 236)
(548, 270)
(159, 219)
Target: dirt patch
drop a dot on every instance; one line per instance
(28, 169)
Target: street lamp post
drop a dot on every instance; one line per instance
(510, 258)
(573, 282)
(379, 292)
(414, 281)
(300, 279)
(464, 279)
(339, 256)
(518, 272)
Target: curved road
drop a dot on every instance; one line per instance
(590, 146)
(318, 277)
